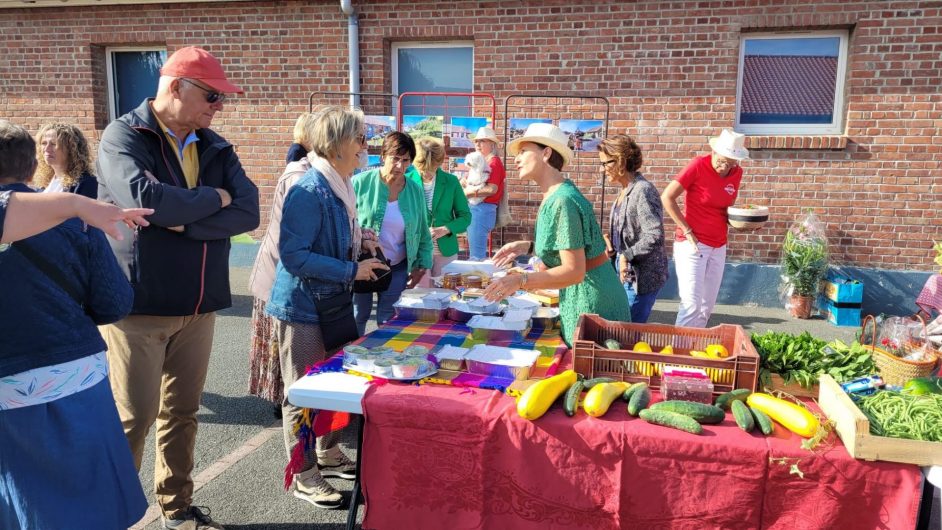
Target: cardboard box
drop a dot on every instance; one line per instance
(842, 289)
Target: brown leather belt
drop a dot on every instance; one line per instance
(597, 261)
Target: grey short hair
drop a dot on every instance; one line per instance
(331, 127)
(17, 153)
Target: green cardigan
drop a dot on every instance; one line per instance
(372, 197)
(449, 208)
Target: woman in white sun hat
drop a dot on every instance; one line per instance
(484, 215)
(568, 237)
(711, 183)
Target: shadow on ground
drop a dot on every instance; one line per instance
(235, 410)
(241, 306)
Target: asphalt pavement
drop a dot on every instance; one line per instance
(240, 456)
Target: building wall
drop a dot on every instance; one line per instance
(668, 70)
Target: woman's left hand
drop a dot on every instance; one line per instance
(415, 277)
(501, 288)
(438, 231)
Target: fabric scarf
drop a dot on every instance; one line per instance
(343, 189)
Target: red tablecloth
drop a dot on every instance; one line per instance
(440, 457)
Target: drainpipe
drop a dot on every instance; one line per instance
(353, 50)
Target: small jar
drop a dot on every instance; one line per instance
(473, 281)
(451, 280)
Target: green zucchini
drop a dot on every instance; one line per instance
(572, 398)
(701, 412)
(739, 394)
(762, 420)
(589, 383)
(612, 344)
(671, 419)
(743, 416)
(639, 399)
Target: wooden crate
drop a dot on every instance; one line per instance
(854, 429)
(793, 388)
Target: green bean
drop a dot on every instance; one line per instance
(904, 416)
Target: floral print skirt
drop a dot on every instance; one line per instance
(264, 364)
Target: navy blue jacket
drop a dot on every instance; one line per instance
(40, 324)
(174, 274)
(314, 246)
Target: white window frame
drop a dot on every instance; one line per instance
(394, 52)
(837, 124)
(109, 71)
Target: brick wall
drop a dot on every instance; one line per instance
(668, 70)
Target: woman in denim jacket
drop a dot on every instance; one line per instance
(319, 243)
(394, 206)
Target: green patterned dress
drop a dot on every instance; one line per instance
(567, 222)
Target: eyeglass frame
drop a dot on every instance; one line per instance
(212, 96)
(605, 163)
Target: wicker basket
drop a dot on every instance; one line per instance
(896, 370)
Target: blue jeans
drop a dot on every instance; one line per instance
(363, 302)
(483, 218)
(640, 304)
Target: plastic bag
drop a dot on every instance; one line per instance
(903, 337)
(804, 263)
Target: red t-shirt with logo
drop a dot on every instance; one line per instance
(497, 178)
(707, 197)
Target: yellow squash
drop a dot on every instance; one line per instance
(600, 397)
(717, 351)
(537, 399)
(793, 417)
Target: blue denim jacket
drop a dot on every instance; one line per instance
(316, 260)
(41, 324)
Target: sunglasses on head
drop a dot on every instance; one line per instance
(211, 95)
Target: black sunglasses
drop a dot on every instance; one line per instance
(607, 163)
(211, 95)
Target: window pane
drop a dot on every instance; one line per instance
(789, 80)
(436, 70)
(136, 74)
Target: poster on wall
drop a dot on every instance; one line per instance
(584, 135)
(462, 129)
(373, 163)
(517, 126)
(457, 168)
(422, 126)
(377, 127)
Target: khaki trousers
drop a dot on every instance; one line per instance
(158, 368)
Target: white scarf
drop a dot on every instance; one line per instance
(343, 189)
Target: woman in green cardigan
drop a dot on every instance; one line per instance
(448, 212)
(394, 207)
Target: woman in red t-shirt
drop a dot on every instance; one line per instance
(711, 183)
(484, 215)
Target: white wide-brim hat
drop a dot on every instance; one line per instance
(730, 144)
(546, 134)
(486, 133)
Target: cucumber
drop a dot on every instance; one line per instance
(639, 399)
(700, 412)
(762, 420)
(631, 390)
(743, 416)
(572, 398)
(736, 395)
(612, 344)
(671, 419)
(589, 383)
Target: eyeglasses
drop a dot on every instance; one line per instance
(400, 160)
(211, 95)
(361, 139)
(728, 162)
(606, 163)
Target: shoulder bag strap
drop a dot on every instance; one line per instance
(50, 270)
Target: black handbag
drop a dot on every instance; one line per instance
(338, 327)
(381, 283)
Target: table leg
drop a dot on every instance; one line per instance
(356, 493)
(925, 505)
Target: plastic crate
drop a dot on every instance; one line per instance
(592, 359)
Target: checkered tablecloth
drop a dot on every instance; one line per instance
(399, 334)
(930, 298)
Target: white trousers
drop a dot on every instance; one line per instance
(699, 275)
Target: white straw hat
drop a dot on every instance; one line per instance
(486, 133)
(730, 144)
(546, 134)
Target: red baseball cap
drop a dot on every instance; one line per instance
(197, 63)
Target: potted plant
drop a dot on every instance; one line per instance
(804, 264)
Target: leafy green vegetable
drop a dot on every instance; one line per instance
(802, 358)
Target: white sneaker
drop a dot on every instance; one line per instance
(338, 467)
(310, 486)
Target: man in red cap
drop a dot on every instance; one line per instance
(162, 155)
